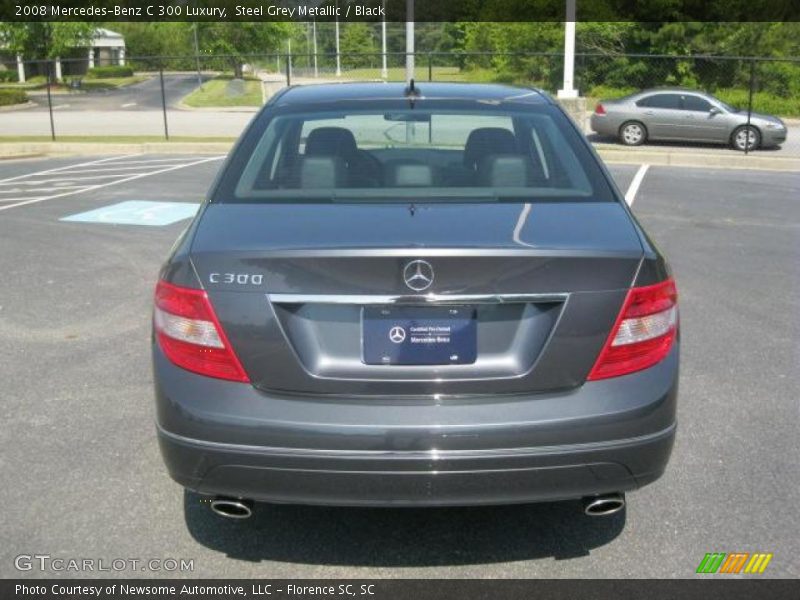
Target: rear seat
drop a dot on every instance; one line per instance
(317, 172)
(504, 171)
(409, 175)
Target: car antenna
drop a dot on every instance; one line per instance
(412, 92)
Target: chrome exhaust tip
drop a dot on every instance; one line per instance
(232, 508)
(602, 506)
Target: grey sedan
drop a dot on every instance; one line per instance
(684, 115)
(358, 320)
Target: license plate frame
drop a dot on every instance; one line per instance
(419, 335)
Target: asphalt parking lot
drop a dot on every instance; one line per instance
(82, 476)
(145, 95)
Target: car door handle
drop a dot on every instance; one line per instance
(649, 112)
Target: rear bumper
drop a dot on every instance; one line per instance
(603, 125)
(398, 478)
(230, 439)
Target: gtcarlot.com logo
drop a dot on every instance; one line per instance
(734, 562)
(45, 562)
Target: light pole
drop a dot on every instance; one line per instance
(568, 90)
(289, 56)
(314, 35)
(197, 55)
(409, 40)
(384, 69)
(338, 61)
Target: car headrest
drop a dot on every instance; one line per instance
(410, 175)
(488, 140)
(322, 172)
(503, 171)
(331, 141)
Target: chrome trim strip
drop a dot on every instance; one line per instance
(273, 451)
(363, 299)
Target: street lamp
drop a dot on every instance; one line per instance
(384, 69)
(568, 90)
(197, 54)
(338, 61)
(409, 40)
(314, 35)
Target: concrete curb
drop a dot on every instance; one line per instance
(682, 158)
(23, 106)
(610, 154)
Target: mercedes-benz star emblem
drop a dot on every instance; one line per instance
(418, 275)
(397, 334)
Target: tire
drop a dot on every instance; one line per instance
(633, 133)
(740, 137)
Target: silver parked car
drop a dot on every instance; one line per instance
(675, 114)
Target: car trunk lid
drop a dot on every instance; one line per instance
(543, 282)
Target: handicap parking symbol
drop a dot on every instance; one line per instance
(137, 212)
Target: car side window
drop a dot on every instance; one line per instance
(671, 101)
(696, 103)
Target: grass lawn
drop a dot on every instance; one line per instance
(30, 85)
(91, 84)
(213, 93)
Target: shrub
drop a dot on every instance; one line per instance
(8, 97)
(8, 75)
(605, 92)
(110, 72)
(763, 102)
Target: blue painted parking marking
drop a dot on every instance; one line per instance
(138, 212)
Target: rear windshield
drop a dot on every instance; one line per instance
(420, 153)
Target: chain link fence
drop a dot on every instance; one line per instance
(212, 97)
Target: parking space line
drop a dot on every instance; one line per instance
(60, 179)
(109, 169)
(110, 183)
(149, 161)
(44, 189)
(5, 200)
(59, 169)
(630, 195)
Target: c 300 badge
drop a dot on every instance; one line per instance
(236, 278)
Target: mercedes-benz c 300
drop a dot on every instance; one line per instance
(397, 295)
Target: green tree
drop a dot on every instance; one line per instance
(358, 45)
(45, 40)
(237, 40)
(158, 39)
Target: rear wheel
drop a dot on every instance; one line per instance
(746, 137)
(632, 133)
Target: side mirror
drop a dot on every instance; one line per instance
(714, 111)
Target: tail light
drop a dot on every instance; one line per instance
(599, 109)
(190, 334)
(643, 333)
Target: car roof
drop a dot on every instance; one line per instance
(674, 90)
(343, 92)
